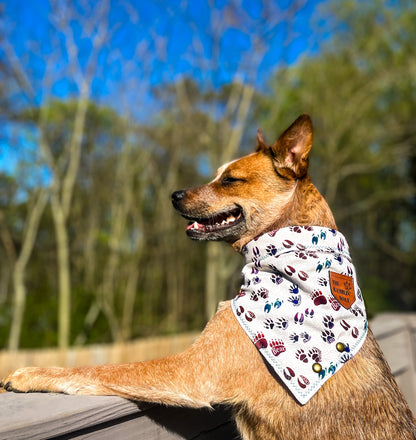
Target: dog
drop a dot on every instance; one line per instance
(255, 196)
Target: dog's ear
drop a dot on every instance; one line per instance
(261, 144)
(291, 150)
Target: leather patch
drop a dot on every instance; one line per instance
(342, 287)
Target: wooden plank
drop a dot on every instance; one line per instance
(57, 416)
(396, 334)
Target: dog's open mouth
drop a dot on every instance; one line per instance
(215, 227)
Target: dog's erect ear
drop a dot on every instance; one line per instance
(291, 150)
(261, 144)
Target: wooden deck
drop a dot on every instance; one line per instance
(53, 416)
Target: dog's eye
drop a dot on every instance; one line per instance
(228, 180)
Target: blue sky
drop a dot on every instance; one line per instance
(152, 43)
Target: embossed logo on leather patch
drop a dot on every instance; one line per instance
(342, 287)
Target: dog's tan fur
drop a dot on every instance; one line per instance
(271, 188)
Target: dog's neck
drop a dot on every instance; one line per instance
(306, 207)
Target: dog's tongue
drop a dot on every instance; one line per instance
(194, 225)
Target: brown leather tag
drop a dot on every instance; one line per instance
(342, 287)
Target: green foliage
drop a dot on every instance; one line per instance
(359, 92)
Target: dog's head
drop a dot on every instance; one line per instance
(254, 194)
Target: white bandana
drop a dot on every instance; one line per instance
(301, 306)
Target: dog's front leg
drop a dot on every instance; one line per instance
(208, 372)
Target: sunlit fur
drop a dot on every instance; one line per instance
(362, 401)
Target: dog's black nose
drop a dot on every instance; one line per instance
(177, 196)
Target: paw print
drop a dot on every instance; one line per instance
(357, 311)
(295, 300)
(301, 255)
(345, 357)
(290, 270)
(318, 298)
(309, 313)
(328, 321)
(271, 250)
(319, 266)
(282, 323)
(277, 346)
(315, 354)
(276, 279)
(268, 323)
(254, 296)
(277, 303)
(294, 337)
(296, 229)
(314, 239)
(301, 355)
(263, 292)
(250, 316)
(322, 281)
(299, 318)
(327, 263)
(256, 280)
(306, 337)
(294, 288)
(267, 307)
(334, 303)
(260, 341)
(328, 336)
(338, 257)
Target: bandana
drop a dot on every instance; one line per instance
(301, 305)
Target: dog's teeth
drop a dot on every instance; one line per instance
(195, 225)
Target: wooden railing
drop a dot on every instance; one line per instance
(53, 416)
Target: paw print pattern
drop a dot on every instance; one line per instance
(345, 358)
(271, 250)
(287, 303)
(294, 288)
(328, 336)
(260, 341)
(309, 313)
(315, 354)
(276, 279)
(322, 281)
(263, 292)
(277, 346)
(328, 321)
(282, 323)
(318, 298)
(269, 324)
(334, 303)
(295, 300)
(306, 337)
(294, 337)
(301, 355)
(301, 255)
(299, 318)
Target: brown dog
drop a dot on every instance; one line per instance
(261, 192)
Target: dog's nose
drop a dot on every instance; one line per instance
(177, 196)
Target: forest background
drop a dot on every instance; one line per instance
(109, 106)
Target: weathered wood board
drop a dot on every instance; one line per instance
(54, 416)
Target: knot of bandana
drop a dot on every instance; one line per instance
(301, 305)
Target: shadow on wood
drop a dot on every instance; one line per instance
(57, 416)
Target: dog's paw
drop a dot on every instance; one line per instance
(30, 379)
